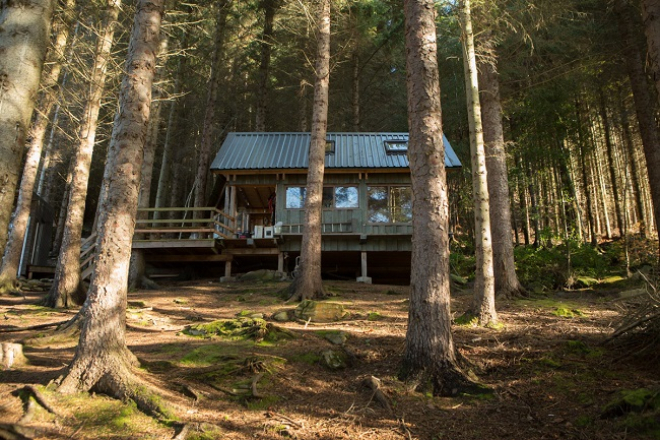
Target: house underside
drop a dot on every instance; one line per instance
(367, 209)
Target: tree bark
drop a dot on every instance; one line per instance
(612, 161)
(269, 7)
(308, 283)
(506, 280)
(24, 36)
(102, 361)
(204, 157)
(430, 356)
(355, 97)
(12, 255)
(66, 289)
(644, 106)
(651, 15)
(483, 303)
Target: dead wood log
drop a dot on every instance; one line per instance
(373, 384)
(276, 415)
(183, 431)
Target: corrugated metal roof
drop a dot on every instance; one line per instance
(263, 151)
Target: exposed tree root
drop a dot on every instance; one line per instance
(9, 286)
(15, 431)
(445, 379)
(29, 394)
(67, 331)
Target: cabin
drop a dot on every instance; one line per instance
(367, 202)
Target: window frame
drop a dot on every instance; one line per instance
(389, 205)
(286, 196)
(390, 149)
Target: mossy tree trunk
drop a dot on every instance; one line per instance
(12, 255)
(102, 361)
(24, 34)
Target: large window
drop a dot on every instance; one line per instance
(295, 197)
(389, 204)
(342, 197)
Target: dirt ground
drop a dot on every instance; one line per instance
(550, 372)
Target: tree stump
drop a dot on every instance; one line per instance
(11, 354)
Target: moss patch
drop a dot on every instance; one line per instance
(240, 329)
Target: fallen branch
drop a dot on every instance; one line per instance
(276, 415)
(32, 327)
(255, 380)
(14, 431)
(373, 384)
(183, 432)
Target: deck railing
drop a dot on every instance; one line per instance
(185, 223)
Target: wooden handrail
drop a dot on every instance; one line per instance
(173, 220)
(167, 230)
(222, 225)
(227, 216)
(208, 208)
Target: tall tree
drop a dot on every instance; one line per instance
(430, 355)
(66, 289)
(651, 14)
(269, 7)
(24, 33)
(308, 284)
(483, 304)
(12, 255)
(504, 268)
(204, 156)
(102, 361)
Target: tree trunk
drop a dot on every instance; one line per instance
(430, 357)
(506, 280)
(102, 361)
(308, 283)
(651, 15)
(269, 7)
(355, 98)
(612, 161)
(483, 303)
(204, 158)
(586, 188)
(644, 106)
(12, 255)
(24, 36)
(66, 289)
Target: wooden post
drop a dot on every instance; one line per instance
(227, 278)
(280, 262)
(364, 278)
(232, 206)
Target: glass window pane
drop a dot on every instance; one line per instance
(295, 197)
(378, 211)
(401, 204)
(327, 197)
(346, 197)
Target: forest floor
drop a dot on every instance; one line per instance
(551, 373)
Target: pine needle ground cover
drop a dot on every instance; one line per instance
(551, 374)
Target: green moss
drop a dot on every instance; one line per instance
(206, 355)
(549, 362)
(583, 421)
(467, 319)
(564, 312)
(374, 316)
(240, 329)
(263, 403)
(393, 292)
(180, 301)
(310, 358)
